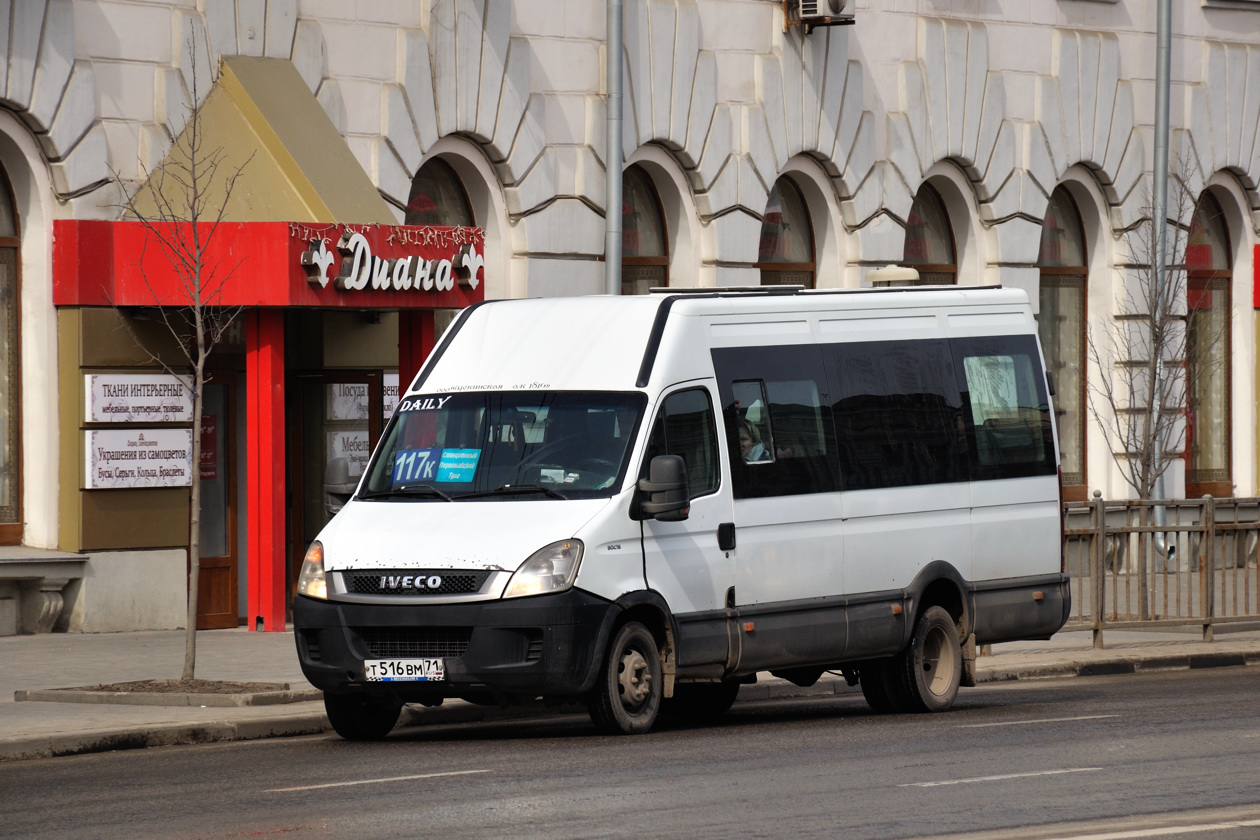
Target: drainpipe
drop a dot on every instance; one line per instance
(1159, 212)
(613, 154)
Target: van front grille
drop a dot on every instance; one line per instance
(414, 642)
(415, 582)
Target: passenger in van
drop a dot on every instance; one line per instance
(788, 447)
(750, 446)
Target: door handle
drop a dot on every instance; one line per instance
(726, 536)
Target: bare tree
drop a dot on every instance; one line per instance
(1144, 358)
(181, 204)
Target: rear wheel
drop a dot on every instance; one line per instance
(360, 717)
(931, 667)
(881, 688)
(699, 703)
(627, 696)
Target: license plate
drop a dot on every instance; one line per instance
(404, 670)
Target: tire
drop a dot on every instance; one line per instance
(359, 717)
(700, 703)
(627, 696)
(931, 667)
(882, 688)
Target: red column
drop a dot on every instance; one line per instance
(1255, 271)
(264, 408)
(417, 337)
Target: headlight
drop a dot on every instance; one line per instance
(550, 569)
(311, 582)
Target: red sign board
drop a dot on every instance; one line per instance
(97, 263)
(209, 447)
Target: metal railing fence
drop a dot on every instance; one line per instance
(1199, 568)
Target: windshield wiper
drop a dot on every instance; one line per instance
(407, 490)
(513, 489)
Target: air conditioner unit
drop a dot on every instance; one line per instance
(811, 10)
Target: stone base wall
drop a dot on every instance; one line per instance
(129, 590)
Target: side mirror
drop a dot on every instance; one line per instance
(338, 485)
(668, 496)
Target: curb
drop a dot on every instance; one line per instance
(136, 698)
(456, 712)
(168, 735)
(1119, 663)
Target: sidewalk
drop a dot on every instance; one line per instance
(40, 729)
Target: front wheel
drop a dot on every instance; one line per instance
(360, 717)
(931, 667)
(627, 696)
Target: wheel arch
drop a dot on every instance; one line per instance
(648, 607)
(940, 584)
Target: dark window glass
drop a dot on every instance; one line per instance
(1006, 408)
(685, 427)
(898, 414)
(1061, 327)
(509, 445)
(10, 426)
(642, 228)
(785, 410)
(644, 246)
(785, 253)
(930, 240)
(438, 198)
(1062, 238)
(1208, 338)
(8, 227)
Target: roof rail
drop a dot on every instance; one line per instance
(726, 291)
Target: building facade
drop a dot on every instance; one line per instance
(1005, 142)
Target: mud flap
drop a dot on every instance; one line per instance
(969, 662)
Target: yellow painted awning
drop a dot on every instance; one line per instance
(294, 165)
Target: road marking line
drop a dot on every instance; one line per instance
(376, 781)
(1001, 778)
(1041, 720)
(1160, 832)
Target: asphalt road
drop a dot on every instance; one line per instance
(1102, 758)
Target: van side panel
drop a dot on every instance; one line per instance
(789, 634)
(1015, 526)
(1021, 608)
(891, 534)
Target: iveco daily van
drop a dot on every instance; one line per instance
(644, 502)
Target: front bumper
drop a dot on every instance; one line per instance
(544, 646)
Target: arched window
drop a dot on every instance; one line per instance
(1207, 352)
(644, 248)
(438, 198)
(786, 253)
(1061, 326)
(10, 460)
(930, 240)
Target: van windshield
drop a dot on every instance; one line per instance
(505, 445)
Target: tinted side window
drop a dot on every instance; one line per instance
(898, 414)
(685, 426)
(1007, 410)
(775, 405)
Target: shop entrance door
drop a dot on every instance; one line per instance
(338, 419)
(217, 581)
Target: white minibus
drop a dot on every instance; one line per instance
(644, 502)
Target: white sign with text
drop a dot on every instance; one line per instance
(136, 398)
(391, 395)
(351, 444)
(129, 458)
(347, 401)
